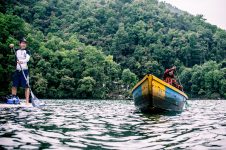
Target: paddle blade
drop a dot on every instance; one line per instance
(35, 101)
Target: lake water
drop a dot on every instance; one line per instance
(105, 124)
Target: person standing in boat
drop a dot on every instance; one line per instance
(169, 77)
(23, 56)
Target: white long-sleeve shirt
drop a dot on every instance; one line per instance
(23, 55)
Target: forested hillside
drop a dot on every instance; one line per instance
(100, 48)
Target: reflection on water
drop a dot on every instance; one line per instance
(104, 124)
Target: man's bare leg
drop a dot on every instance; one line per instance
(27, 94)
(14, 90)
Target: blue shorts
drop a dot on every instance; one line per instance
(19, 80)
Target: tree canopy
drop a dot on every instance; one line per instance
(81, 49)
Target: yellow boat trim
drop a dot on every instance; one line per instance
(162, 82)
(170, 86)
(139, 83)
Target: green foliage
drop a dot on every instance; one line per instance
(88, 49)
(86, 87)
(40, 85)
(129, 78)
(223, 87)
(11, 28)
(207, 80)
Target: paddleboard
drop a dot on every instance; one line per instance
(21, 105)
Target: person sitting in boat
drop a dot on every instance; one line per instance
(170, 78)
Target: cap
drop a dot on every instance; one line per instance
(23, 40)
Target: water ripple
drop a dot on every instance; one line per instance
(104, 124)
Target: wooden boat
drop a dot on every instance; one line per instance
(152, 94)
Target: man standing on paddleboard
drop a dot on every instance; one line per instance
(23, 56)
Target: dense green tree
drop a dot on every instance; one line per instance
(103, 45)
(129, 78)
(120, 45)
(207, 80)
(12, 28)
(86, 87)
(40, 85)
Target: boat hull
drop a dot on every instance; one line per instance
(154, 95)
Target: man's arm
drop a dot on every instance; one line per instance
(168, 70)
(27, 57)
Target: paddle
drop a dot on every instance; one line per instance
(34, 100)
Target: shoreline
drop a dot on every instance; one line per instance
(193, 99)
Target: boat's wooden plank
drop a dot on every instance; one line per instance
(152, 92)
(140, 82)
(169, 86)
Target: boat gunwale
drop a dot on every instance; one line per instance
(160, 81)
